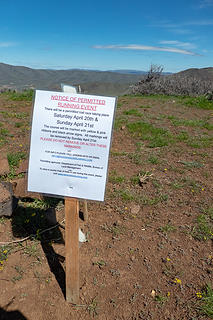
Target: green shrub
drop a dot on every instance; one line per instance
(26, 95)
(157, 137)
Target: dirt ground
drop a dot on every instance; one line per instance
(149, 250)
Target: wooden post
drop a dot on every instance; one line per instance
(72, 249)
(85, 211)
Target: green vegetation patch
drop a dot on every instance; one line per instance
(135, 157)
(2, 142)
(191, 123)
(197, 102)
(146, 201)
(133, 112)
(205, 305)
(119, 122)
(157, 137)
(192, 184)
(153, 159)
(14, 158)
(168, 228)
(197, 142)
(161, 299)
(200, 141)
(204, 225)
(26, 95)
(3, 134)
(161, 97)
(124, 194)
(192, 164)
(4, 252)
(118, 153)
(115, 178)
(182, 136)
(17, 115)
(19, 124)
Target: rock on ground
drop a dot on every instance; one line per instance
(4, 167)
(135, 209)
(20, 190)
(7, 201)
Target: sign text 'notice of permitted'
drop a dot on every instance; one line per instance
(70, 142)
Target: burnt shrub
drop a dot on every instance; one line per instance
(177, 84)
(174, 85)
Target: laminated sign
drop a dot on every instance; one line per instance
(70, 143)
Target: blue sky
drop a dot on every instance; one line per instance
(107, 35)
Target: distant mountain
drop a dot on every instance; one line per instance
(115, 82)
(137, 72)
(123, 71)
(203, 73)
(99, 82)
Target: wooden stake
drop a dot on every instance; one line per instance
(72, 249)
(85, 211)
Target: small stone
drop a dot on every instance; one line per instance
(153, 293)
(135, 208)
(4, 167)
(6, 202)
(4, 193)
(20, 188)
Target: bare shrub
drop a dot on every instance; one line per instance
(154, 72)
(155, 83)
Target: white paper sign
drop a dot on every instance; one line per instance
(70, 143)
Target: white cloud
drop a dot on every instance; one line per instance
(182, 28)
(146, 48)
(181, 31)
(168, 25)
(185, 45)
(206, 4)
(7, 44)
(207, 22)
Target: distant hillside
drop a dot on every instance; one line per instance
(124, 71)
(116, 82)
(99, 82)
(202, 74)
(138, 72)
